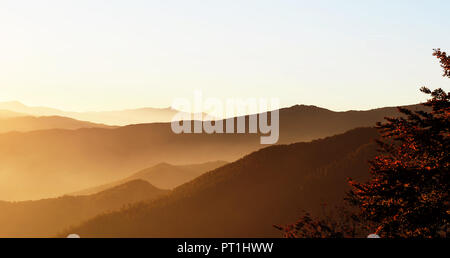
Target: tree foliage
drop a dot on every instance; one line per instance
(339, 222)
(408, 193)
(445, 61)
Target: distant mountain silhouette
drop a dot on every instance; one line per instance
(315, 122)
(45, 218)
(245, 198)
(163, 176)
(31, 123)
(116, 118)
(49, 163)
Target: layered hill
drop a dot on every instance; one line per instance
(163, 176)
(114, 117)
(45, 218)
(315, 122)
(245, 198)
(49, 163)
(31, 123)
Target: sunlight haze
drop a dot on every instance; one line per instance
(112, 55)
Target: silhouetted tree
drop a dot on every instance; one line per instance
(408, 193)
(339, 222)
(445, 61)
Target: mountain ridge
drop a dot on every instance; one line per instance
(88, 157)
(110, 117)
(27, 123)
(245, 198)
(47, 217)
(159, 175)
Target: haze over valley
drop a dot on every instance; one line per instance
(31, 162)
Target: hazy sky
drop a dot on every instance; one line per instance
(100, 55)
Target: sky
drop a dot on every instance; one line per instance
(98, 55)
